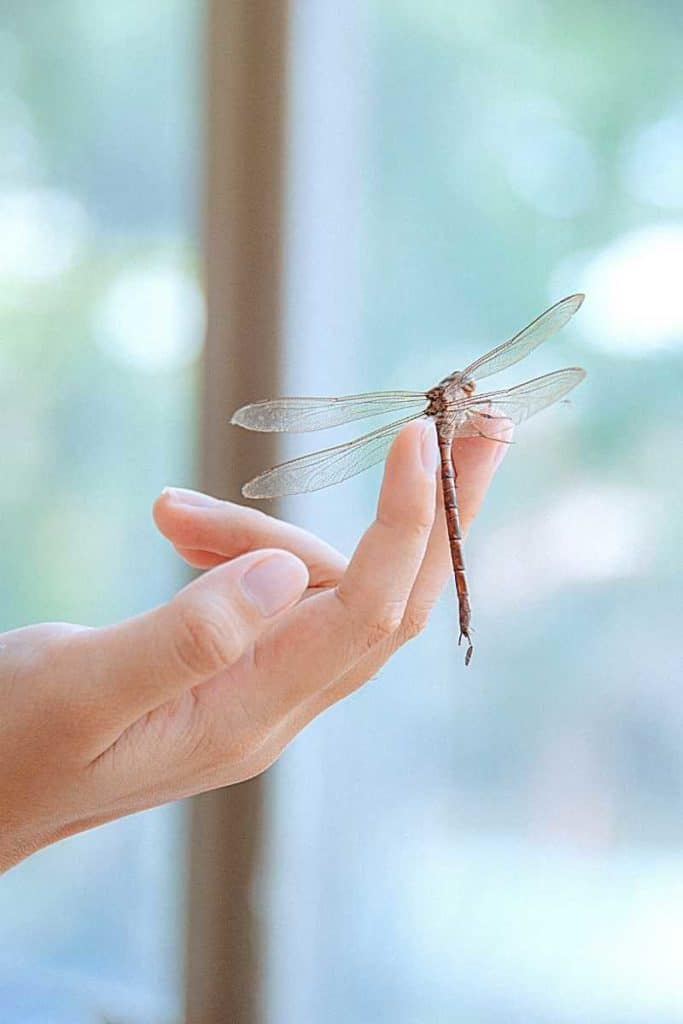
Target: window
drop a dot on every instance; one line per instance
(493, 845)
(503, 843)
(101, 326)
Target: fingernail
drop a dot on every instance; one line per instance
(499, 454)
(275, 582)
(429, 449)
(182, 496)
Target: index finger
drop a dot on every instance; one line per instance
(326, 635)
(476, 459)
(207, 531)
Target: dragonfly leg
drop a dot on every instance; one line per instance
(501, 440)
(490, 416)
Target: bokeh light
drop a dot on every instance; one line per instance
(151, 319)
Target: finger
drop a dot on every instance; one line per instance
(148, 660)
(200, 559)
(197, 522)
(206, 560)
(323, 636)
(477, 460)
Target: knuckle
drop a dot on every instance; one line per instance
(422, 522)
(206, 638)
(372, 627)
(415, 525)
(414, 622)
(383, 626)
(232, 745)
(213, 752)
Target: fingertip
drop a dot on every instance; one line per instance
(476, 460)
(178, 512)
(160, 508)
(166, 513)
(414, 451)
(481, 455)
(184, 496)
(429, 447)
(499, 453)
(409, 482)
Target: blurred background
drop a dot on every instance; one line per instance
(494, 846)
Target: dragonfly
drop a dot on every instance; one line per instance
(453, 404)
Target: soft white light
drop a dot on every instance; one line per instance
(42, 233)
(13, 59)
(19, 145)
(547, 162)
(634, 300)
(653, 162)
(583, 536)
(553, 170)
(590, 937)
(151, 319)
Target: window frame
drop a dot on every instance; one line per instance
(243, 181)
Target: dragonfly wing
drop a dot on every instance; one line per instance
(478, 423)
(329, 466)
(538, 331)
(516, 404)
(298, 415)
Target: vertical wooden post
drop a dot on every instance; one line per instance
(246, 46)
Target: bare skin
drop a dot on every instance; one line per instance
(208, 689)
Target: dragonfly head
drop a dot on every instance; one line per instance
(457, 381)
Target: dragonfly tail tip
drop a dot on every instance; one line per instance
(470, 646)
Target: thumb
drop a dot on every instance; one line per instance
(206, 627)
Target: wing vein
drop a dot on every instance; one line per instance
(298, 415)
(534, 334)
(329, 466)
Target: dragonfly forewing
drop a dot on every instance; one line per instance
(533, 335)
(298, 415)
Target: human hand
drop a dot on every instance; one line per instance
(209, 688)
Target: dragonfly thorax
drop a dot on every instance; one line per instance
(453, 387)
(458, 382)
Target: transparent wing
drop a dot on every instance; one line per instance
(516, 404)
(302, 414)
(324, 468)
(538, 331)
